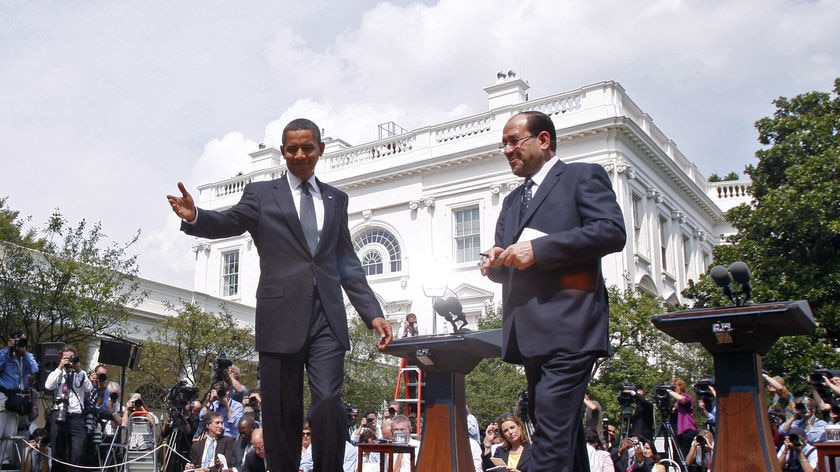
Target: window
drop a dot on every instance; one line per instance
(467, 234)
(230, 273)
(379, 251)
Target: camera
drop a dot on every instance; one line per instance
(60, 409)
(220, 367)
(662, 391)
(795, 440)
(20, 342)
(816, 377)
(369, 421)
(626, 398)
(700, 440)
(392, 411)
(101, 377)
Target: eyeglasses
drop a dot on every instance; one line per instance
(307, 433)
(259, 448)
(514, 142)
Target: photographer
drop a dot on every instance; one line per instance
(70, 385)
(804, 417)
(238, 391)
(369, 422)
(642, 416)
(36, 455)
(408, 327)
(796, 454)
(17, 367)
(702, 452)
(253, 405)
(231, 410)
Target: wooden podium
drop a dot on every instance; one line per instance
(737, 337)
(445, 360)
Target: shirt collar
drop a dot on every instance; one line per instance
(540, 175)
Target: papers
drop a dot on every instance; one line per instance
(223, 460)
(529, 234)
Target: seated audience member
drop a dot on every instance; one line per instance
(630, 456)
(350, 459)
(307, 438)
(204, 454)
(255, 459)
(36, 456)
(401, 425)
(516, 448)
(796, 454)
(805, 417)
(702, 452)
(599, 459)
(650, 452)
(243, 444)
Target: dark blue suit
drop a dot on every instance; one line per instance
(300, 317)
(556, 313)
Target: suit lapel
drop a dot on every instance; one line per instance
(285, 200)
(545, 187)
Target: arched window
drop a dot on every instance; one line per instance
(379, 251)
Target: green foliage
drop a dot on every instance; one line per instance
(369, 376)
(790, 235)
(74, 288)
(12, 228)
(493, 387)
(183, 346)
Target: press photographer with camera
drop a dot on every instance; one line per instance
(699, 458)
(219, 400)
(368, 422)
(70, 386)
(633, 401)
(796, 454)
(17, 368)
(630, 456)
(804, 417)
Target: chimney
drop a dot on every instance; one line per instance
(508, 90)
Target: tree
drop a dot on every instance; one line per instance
(790, 233)
(72, 288)
(493, 387)
(12, 228)
(184, 346)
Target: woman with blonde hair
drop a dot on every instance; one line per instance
(516, 448)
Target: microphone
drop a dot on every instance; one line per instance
(722, 279)
(741, 274)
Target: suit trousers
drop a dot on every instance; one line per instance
(281, 377)
(557, 384)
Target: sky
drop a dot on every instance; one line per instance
(106, 105)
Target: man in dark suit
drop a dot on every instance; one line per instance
(550, 236)
(204, 453)
(255, 460)
(299, 226)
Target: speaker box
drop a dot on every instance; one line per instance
(47, 356)
(114, 353)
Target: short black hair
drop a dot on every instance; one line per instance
(300, 124)
(539, 122)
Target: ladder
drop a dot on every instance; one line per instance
(409, 391)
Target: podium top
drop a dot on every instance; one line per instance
(750, 328)
(449, 352)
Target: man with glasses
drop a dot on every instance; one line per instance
(299, 226)
(70, 386)
(255, 460)
(550, 237)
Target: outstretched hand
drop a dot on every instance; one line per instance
(183, 206)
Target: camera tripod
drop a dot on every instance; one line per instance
(626, 415)
(671, 449)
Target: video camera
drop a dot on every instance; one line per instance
(626, 398)
(816, 379)
(179, 395)
(703, 389)
(663, 398)
(220, 368)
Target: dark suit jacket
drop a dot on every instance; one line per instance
(287, 269)
(252, 463)
(503, 454)
(224, 446)
(560, 304)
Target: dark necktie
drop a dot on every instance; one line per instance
(307, 217)
(525, 199)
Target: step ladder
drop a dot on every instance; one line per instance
(409, 391)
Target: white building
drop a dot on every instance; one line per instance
(423, 203)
